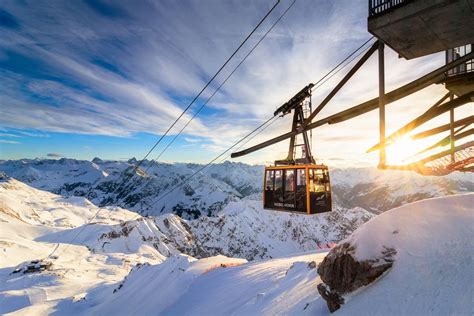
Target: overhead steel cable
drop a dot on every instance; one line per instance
(207, 84)
(265, 124)
(223, 153)
(262, 127)
(319, 83)
(210, 162)
(135, 168)
(255, 135)
(227, 78)
(340, 63)
(345, 65)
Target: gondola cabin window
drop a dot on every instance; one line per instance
(289, 195)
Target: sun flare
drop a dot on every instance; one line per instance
(402, 151)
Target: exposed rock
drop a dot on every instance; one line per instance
(333, 299)
(342, 273)
(33, 266)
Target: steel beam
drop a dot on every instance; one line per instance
(447, 140)
(428, 115)
(465, 121)
(412, 87)
(389, 140)
(341, 83)
(435, 76)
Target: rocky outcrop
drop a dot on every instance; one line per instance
(343, 273)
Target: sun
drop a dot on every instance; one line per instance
(402, 151)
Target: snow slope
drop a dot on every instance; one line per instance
(432, 274)
(35, 223)
(126, 265)
(433, 269)
(278, 286)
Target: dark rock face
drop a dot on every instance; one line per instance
(342, 273)
(333, 299)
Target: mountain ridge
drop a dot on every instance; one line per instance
(209, 191)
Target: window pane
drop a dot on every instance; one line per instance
(278, 180)
(301, 177)
(289, 180)
(269, 180)
(319, 181)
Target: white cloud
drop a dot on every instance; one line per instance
(4, 141)
(165, 51)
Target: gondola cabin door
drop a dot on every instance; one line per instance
(297, 188)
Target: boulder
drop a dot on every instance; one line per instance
(343, 273)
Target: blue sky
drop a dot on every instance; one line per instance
(91, 78)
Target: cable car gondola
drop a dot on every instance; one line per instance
(298, 188)
(297, 185)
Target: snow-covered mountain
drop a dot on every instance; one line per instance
(431, 274)
(243, 229)
(208, 192)
(124, 263)
(91, 247)
(112, 183)
(381, 190)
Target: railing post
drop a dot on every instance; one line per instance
(382, 154)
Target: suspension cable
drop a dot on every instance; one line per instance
(227, 78)
(341, 62)
(262, 127)
(135, 168)
(206, 85)
(210, 162)
(345, 65)
(319, 83)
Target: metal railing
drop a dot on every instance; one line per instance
(454, 53)
(377, 7)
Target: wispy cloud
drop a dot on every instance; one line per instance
(54, 155)
(30, 134)
(9, 135)
(4, 141)
(110, 68)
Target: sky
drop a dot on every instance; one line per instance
(96, 78)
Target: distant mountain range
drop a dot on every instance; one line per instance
(209, 191)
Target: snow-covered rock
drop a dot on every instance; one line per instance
(425, 250)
